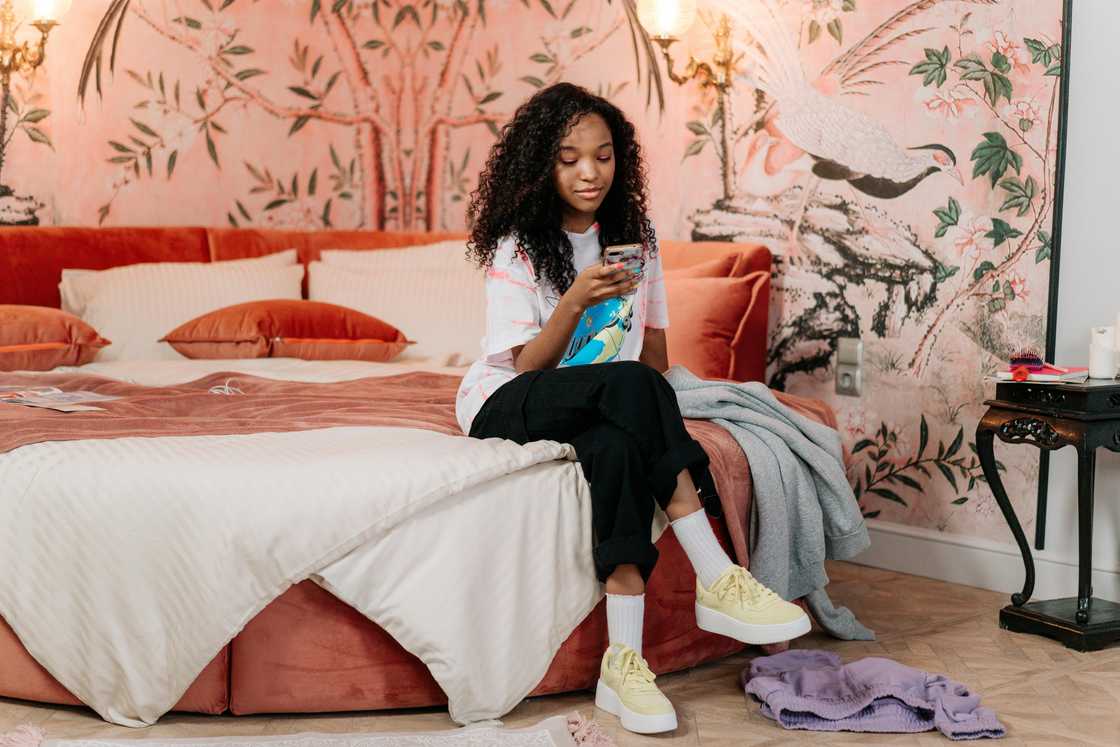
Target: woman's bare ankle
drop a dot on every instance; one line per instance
(685, 500)
(627, 580)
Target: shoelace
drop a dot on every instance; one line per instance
(743, 585)
(634, 666)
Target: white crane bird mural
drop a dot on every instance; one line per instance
(844, 144)
(810, 130)
(847, 162)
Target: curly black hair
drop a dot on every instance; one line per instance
(517, 196)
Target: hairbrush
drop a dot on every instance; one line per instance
(1027, 358)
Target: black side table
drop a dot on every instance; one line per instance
(1087, 417)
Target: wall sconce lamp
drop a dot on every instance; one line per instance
(23, 57)
(666, 21)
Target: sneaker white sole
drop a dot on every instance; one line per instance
(715, 621)
(607, 700)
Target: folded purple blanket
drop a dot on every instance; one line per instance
(814, 690)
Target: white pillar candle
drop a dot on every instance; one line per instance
(1116, 343)
(1102, 353)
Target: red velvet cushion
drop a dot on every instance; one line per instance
(721, 267)
(700, 259)
(749, 257)
(709, 321)
(37, 338)
(288, 329)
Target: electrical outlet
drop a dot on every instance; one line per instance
(849, 366)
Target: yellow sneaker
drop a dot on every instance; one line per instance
(740, 607)
(626, 689)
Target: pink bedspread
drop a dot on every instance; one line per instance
(233, 403)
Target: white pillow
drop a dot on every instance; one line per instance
(75, 294)
(441, 308)
(428, 256)
(136, 305)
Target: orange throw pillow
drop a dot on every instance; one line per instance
(284, 328)
(720, 267)
(708, 319)
(38, 338)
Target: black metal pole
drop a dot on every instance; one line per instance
(1055, 256)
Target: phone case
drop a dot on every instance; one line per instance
(623, 253)
(629, 255)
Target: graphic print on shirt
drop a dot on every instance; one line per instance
(601, 331)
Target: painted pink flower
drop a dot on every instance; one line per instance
(854, 423)
(903, 447)
(948, 104)
(215, 32)
(1024, 113)
(297, 214)
(178, 129)
(1015, 54)
(823, 12)
(1019, 285)
(983, 505)
(969, 237)
(557, 40)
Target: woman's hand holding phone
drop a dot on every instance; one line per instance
(601, 282)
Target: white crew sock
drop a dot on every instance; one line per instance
(703, 549)
(625, 613)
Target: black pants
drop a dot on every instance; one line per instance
(626, 427)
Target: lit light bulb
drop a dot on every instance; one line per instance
(666, 19)
(48, 10)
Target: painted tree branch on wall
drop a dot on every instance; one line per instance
(411, 73)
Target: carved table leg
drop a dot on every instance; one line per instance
(984, 448)
(1086, 476)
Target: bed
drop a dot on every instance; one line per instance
(306, 650)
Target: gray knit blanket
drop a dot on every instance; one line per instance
(803, 510)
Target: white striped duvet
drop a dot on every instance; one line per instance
(129, 563)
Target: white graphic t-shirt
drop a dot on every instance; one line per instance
(518, 305)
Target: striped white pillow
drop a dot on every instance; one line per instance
(438, 256)
(136, 305)
(75, 293)
(441, 308)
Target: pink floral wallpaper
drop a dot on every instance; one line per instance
(899, 157)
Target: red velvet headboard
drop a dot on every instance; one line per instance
(31, 261)
(241, 243)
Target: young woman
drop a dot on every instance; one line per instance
(574, 352)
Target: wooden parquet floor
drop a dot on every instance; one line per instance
(1044, 694)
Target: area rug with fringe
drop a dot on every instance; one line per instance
(558, 731)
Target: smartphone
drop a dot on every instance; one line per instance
(630, 256)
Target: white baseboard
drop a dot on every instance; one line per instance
(977, 562)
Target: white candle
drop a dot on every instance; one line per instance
(1102, 353)
(1116, 343)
